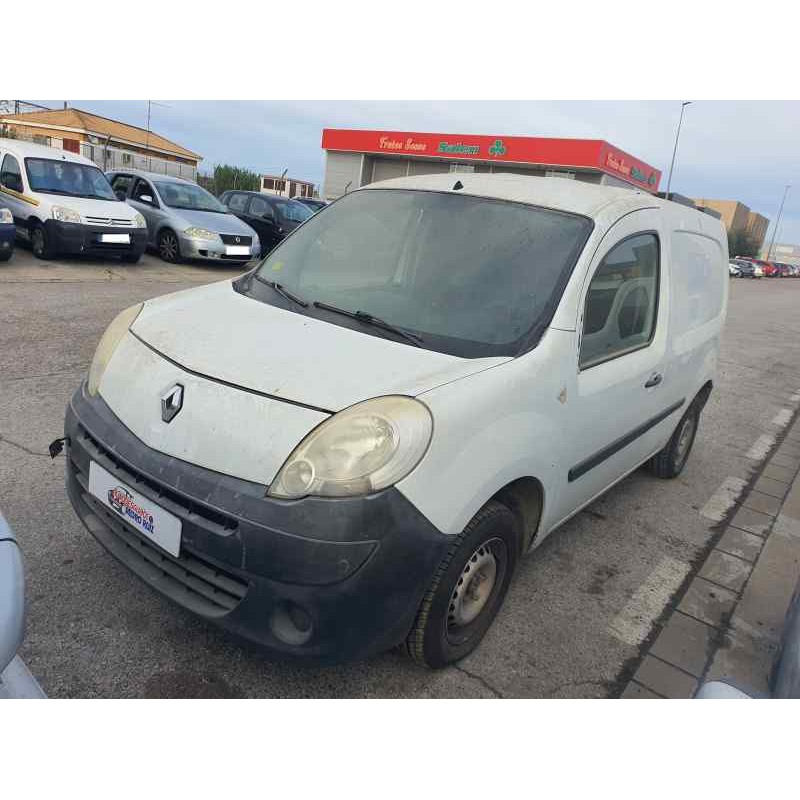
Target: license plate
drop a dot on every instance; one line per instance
(138, 511)
(237, 250)
(115, 238)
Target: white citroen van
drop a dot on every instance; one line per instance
(62, 203)
(351, 446)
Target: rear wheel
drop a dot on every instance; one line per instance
(40, 242)
(168, 247)
(669, 462)
(467, 590)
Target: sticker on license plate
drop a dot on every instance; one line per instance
(237, 250)
(138, 511)
(115, 238)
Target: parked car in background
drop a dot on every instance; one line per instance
(352, 446)
(733, 270)
(272, 217)
(62, 203)
(768, 268)
(184, 221)
(8, 232)
(747, 269)
(312, 202)
(15, 679)
(784, 270)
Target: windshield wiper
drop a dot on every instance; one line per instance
(283, 292)
(363, 316)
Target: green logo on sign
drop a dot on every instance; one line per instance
(652, 179)
(497, 149)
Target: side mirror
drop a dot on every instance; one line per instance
(13, 182)
(146, 198)
(120, 194)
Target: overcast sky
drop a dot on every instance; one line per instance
(745, 151)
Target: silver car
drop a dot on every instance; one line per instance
(15, 679)
(184, 221)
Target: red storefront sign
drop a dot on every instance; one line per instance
(593, 154)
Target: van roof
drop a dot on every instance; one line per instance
(560, 193)
(31, 150)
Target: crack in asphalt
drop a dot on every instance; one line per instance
(488, 686)
(22, 447)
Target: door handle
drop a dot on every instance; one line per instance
(654, 380)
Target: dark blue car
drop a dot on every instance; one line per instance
(7, 233)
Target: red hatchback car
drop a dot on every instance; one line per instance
(769, 269)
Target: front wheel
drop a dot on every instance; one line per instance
(467, 590)
(168, 247)
(669, 462)
(40, 243)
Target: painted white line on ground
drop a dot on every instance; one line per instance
(720, 502)
(783, 417)
(761, 447)
(634, 622)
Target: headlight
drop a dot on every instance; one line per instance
(63, 214)
(366, 447)
(6, 217)
(201, 233)
(139, 221)
(108, 344)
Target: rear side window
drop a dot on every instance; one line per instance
(10, 174)
(237, 202)
(621, 303)
(698, 278)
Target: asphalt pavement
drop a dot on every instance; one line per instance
(576, 619)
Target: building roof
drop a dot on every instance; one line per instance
(85, 122)
(32, 150)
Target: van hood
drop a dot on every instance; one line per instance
(90, 207)
(213, 221)
(218, 333)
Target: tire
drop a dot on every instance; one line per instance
(6, 256)
(131, 259)
(40, 242)
(455, 612)
(168, 246)
(669, 462)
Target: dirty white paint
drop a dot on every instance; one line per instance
(721, 501)
(636, 619)
(761, 447)
(795, 398)
(783, 417)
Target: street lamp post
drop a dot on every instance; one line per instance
(777, 222)
(675, 148)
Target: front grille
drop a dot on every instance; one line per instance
(110, 221)
(233, 238)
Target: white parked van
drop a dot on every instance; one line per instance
(62, 203)
(351, 446)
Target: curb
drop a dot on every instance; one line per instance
(727, 622)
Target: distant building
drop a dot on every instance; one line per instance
(737, 216)
(110, 144)
(286, 187)
(785, 253)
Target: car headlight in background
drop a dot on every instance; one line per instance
(108, 344)
(362, 449)
(139, 221)
(201, 233)
(6, 217)
(63, 214)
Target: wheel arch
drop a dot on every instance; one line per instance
(524, 497)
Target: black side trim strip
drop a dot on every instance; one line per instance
(228, 383)
(601, 455)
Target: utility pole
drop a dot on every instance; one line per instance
(147, 139)
(777, 222)
(675, 148)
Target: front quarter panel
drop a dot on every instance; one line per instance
(490, 429)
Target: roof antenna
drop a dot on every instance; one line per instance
(457, 185)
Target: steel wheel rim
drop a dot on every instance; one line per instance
(685, 439)
(169, 245)
(475, 589)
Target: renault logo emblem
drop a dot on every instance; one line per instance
(171, 403)
(238, 240)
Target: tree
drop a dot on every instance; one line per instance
(742, 243)
(227, 177)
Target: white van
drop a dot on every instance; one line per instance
(351, 446)
(62, 203)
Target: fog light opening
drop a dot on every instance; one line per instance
(291, 623)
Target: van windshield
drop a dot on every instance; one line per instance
(54, 176)
(470, 275)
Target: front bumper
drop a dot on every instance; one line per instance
(355, 567)
(215, 250)
(78, 239)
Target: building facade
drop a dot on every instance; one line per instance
(355, 158)
(785, 253)
(286, 187)
(110, 144)
(738, 218)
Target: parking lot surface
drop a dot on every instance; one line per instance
(576, 616)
